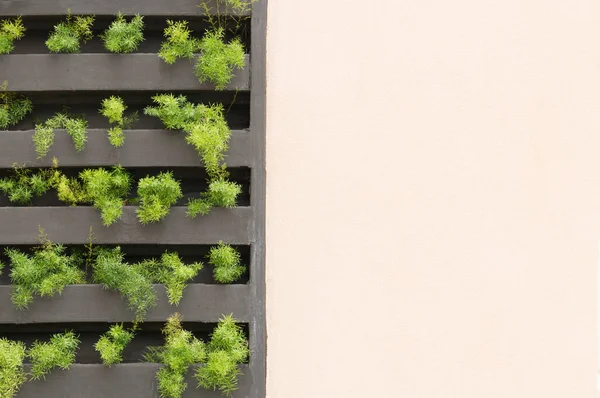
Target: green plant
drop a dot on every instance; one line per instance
(179, 42)
(26, 184)
(107, 190)
(76, 127)
(180, 351)
(45, 273)
(172, 272)
(114, 274)
(114, 108)
(58, 352)
(227, 263)
(112, 343)
(220, 193)
(123, 36)
(13, 107)
(12, 375)
(10, 30)
(219, 59)
(67, 35)
(156, 196)
(227, 349)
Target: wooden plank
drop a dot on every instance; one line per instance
(92, 303)
(19, 225)
(104, 72)
(136, 380)
(143, 148)
(105, 7)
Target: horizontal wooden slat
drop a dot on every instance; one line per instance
(104, 72)
(92, 303)
(19, 225)
(103, 7)
(124, 380)
(143, 148)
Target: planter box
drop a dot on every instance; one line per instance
(143, 148)
(102, 7)
(105, 72)
(72, 225)
(124, 380)
(92, 303)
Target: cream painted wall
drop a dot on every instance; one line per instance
(433, 198)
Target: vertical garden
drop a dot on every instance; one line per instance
(132, 191)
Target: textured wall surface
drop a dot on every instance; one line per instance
(433, 198)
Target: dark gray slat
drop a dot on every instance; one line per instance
(104, 72)
(124, 380)
(19, 225)
(143, 148)
(103, 7)
(92, 303)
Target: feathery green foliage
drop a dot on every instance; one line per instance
(179, 42)
(172, 272)
(156, 196)
(220, 193)
(112, 343)
(114, 109)
(114, 274)
(13, 107)
(227, 349)
(58, 352)
(123, 36)
(44, 273)
(227, 263)
(107, 190)
(12, 375)
(76, 127)
(219, 59)
(10, 30)
(26, 185)
(180, 351)
(68, 35)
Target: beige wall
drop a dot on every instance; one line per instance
(433, 198)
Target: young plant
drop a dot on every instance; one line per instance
(44, 273)
(10, 30)
(220, 193)
(123, 36)
(227, 349)
(172, 272)
(180, 351)
(156, 196)
(227, 263)
(179, 42)
(114, 108)
(219, 59)
(59, 352)
(12, 375)
(114, 274)
(76, 127)
(106, 190)
(68, 35)
(112, 343)
(13, 107)
(26, 185)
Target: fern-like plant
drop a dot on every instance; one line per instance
(180, 351)
(26, 184)
(179, 42)
(156, 196)
(107, 190)
(10, 30)
(227, 349)
(59, 352)
(123, 36)
(112, 343)
(114, 108)
(113, 273)
(227, 263)
(219, 59)
(44, 273)
(13, 107)
(12, 375)
(220, 193)
(68, 35)
(172, 272)
(76, 127)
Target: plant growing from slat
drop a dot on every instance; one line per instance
(226, 262)
(219, 59)
(113, 109)
(107, 191)
(13, 107)
(76, 127)
(179, 42)
(12, 374)
(123, 36)
(10, 30)
(26, 184)
(156, 195)
(112, 343)
(59, 352)
(69, 34)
